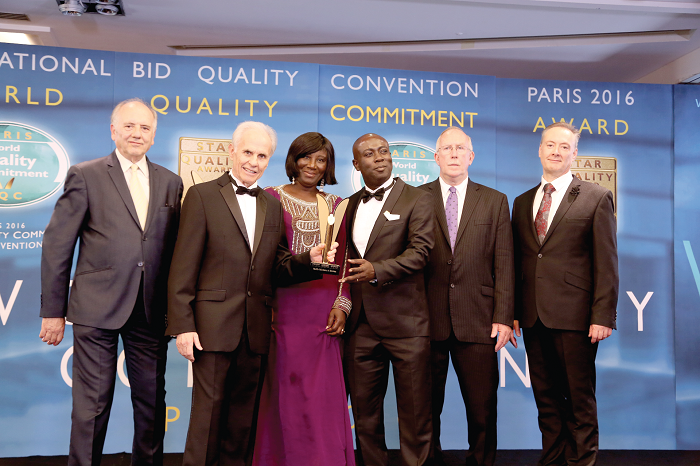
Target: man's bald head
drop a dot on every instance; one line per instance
(364, 137)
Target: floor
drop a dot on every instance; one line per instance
(452, 458)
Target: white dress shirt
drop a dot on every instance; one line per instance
(249, 207)
(461, 193)
(561, 186)
(142, 172)
(366, 217)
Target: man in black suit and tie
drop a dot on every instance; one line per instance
(390, 227)
(230, 255)
(565, 242)
(125, 212)
(470, 292)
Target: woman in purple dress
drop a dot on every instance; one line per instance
(303, 418)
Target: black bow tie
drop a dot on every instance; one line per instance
(243, 190)
(378, 194)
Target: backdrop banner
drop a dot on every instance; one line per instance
(55, 112)
(686, 215)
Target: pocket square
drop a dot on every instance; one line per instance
(389, 216)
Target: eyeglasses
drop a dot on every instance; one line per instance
(448, 149)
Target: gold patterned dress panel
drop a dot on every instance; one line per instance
(304, 215)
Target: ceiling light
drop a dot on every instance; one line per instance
(108, 10)
(16, 38)
(84, 7)
(72, 8)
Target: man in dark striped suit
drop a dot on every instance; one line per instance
(470, 285)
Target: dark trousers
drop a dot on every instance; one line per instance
(94, 374)
(367, 358)
(225, 401)
(476, 366)
(562, 373)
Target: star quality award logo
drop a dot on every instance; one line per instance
(33, 165)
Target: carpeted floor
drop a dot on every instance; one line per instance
(452, 458)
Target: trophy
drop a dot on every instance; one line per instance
(327, 222)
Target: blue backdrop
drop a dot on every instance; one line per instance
(640, 140)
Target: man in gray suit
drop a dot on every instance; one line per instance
(125, 211)
(469, 279)
(566, 289)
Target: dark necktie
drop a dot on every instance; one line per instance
(543, 213)
(243, 190)
(378, 194)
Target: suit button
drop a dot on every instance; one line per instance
(449, 261)
(539, 256)
(250, 294)
(252, 267)
(452, 285)
(140, 264)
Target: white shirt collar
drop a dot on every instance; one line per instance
(126, 163)
(240, 183)
(461, 188)
(561, 183)
(386, 185)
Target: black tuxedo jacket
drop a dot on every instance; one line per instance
(219, 283)
(96, 208)
(571, 280)
(396, 307)
(473, 288)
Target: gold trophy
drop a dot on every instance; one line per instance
(327, 222)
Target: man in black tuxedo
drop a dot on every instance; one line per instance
(125, 212)
(390, 231)
(566, 289)
(230, 255)
(470, 292)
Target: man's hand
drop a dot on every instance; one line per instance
(504, 333)
(364, 271)
(316, 252)
(185, 343)
(336, 322)
(599, 333)
(516, 332)
(52, 329)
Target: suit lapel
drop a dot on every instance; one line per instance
(529, 200)
(439, 206)
(388, 206)
(114, 169)
(353, 204)
(566, 203)
(471, 199)
(229, 196)
(260, 213)
(153, 186)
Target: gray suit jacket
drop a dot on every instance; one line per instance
(96, 208)
(473, 288)
(571, 280)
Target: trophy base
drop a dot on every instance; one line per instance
(323, 267)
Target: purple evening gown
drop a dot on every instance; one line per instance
(303, 418)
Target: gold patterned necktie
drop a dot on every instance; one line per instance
(139, 197)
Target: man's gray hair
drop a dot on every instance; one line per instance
(469, 139)
(132, 100)
(248, 125)
(565, 125)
